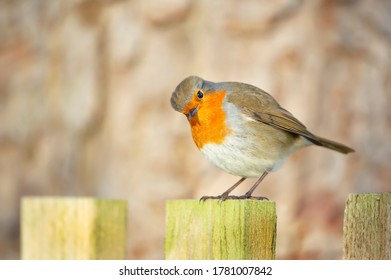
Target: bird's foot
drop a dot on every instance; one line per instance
(219, 197)
(243, 197)
(237, 197)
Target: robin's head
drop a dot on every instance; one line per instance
(193, 93)
(188, 96)
(202, 103)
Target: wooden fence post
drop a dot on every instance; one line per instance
(367, 227)
(232, 229)
(73, 228)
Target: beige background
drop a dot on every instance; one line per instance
(84, 106)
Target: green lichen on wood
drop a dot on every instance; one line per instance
(73, 228)
(367, 226)
(233, 229)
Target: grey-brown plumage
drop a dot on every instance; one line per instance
(262, 107)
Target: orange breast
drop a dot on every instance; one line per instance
(208, 125)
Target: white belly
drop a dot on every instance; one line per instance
(238, 159)
(252, 148)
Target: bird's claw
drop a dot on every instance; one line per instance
(236, 197)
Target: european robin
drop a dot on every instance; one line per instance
(242, 129)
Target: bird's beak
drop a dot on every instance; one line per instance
(192, 112)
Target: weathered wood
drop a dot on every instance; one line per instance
(73, 228)
(233, 229)
(367, 227)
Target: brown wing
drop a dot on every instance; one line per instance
(287, 123)
(262, 107)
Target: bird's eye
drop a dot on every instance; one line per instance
(200, 94)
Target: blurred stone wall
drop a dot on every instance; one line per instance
(84, 106)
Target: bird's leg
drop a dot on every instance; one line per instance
(225, 194)
(248, 195)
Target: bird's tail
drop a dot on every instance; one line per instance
(333, 145)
